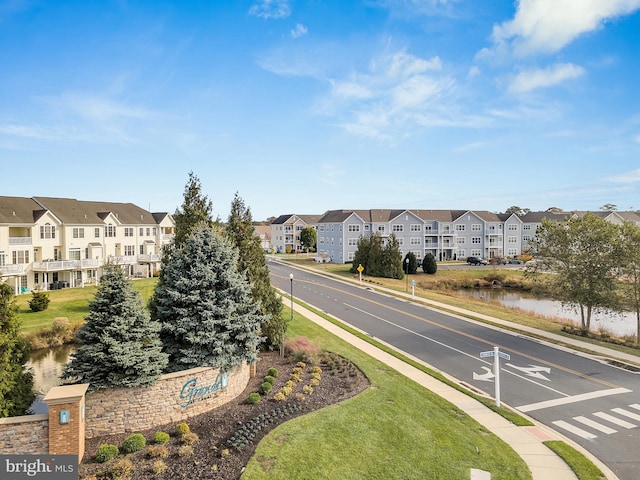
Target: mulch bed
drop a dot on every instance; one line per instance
(213, 456)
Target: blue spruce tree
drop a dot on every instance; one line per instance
(119, 343)
(204, 304)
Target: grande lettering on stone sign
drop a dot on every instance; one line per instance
(191, 391)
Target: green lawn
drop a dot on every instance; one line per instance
(72, 303)
(395, 429)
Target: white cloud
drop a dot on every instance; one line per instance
(546, 26)
(96, 108)
(271, 9)
(528, 80)
(299, 31)
(628, 177)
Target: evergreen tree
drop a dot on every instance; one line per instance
(392, 259)
(196, 208)
(413, 263)
(205, 307)
(429, 264)
(241, 233)
(120, 344)
(16, 383)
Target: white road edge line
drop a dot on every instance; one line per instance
(572, 399)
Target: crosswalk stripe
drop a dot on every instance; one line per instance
(626, 413)
(595, 425)
(575, 430)
(612, 419)
(635, 405)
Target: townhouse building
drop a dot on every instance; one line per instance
(446, 234)
(286, 229)
(50, 243)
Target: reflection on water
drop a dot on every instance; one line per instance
(618, 324)
(47, 365)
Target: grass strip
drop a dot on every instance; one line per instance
(581, 466)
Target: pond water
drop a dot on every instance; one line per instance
(618, 324)
(47, 365)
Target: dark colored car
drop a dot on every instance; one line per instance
(498, 261)
(515, 261)
(476, 261)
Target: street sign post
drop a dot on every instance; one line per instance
(360, 269)
(496, 354)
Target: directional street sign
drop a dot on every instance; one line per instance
(492, 353)
(495, 375)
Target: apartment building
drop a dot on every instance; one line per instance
(51, 243)
(446, 234)
(285, 232)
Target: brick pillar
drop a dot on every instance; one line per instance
(66, 419)
(253, 369)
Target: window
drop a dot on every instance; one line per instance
(155, 231)
(322, 228)
(141, 249)
(128, 231)
(381, 228)
(476, 227)
(461, 240)
(20, 256)
(400, 241)
(352, 242)
(366, 228)
(415, 227)
(460, 228)
(397, 228)
(513, 227)
(526, 227)
(23, 284)
(475, 252)
(512, 252)
(427, 228)
(2, 259)
(36, 278)
(129, 250)
(354, 228)
(351, 255)
(109, 230)
(96, 232)
(47, 231)
(476, 240)
(74, 254)
(512, 239)
(526, 238)
(78, 233)
(415, 241)
(142, 232)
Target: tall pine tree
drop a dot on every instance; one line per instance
(240, 231)
(205, 306)
(16, 383)
(196, 209)
(120, 344)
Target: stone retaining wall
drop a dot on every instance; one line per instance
(175, 397)
(25, 434)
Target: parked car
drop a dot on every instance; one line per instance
(498, 261)
(476, 261)
(515, 261)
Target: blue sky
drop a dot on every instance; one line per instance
(303, 106)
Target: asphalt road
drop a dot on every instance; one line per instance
(581, 396)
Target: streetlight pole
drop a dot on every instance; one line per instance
(406, 263)
(291, 294)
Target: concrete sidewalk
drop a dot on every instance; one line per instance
(527, 442)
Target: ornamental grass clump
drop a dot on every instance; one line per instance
(189, 438)
(106, 452)
(122, 469)
(159, 467)
(133, 443)
(157, 451)
(181, 429)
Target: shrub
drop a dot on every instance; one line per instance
(158, 467)
(297, 371)
(185, 451)
(301, 365)
(182, 428)
(254, 398)
(161, 437)
(134, 443)
(273, 372)
(279, 397)
(270, 379)
(314, 382)
(106, 452)
(39, 301)
(286, 391)
(189, 438)
(265, 388)
(307, 390)
(157, 451)
(122, 469)
(316, 369)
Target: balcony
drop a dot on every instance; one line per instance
(20, 240)
(123, 259)
(150, 258)
(60, 265)
(7, 270)
(167, 237)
